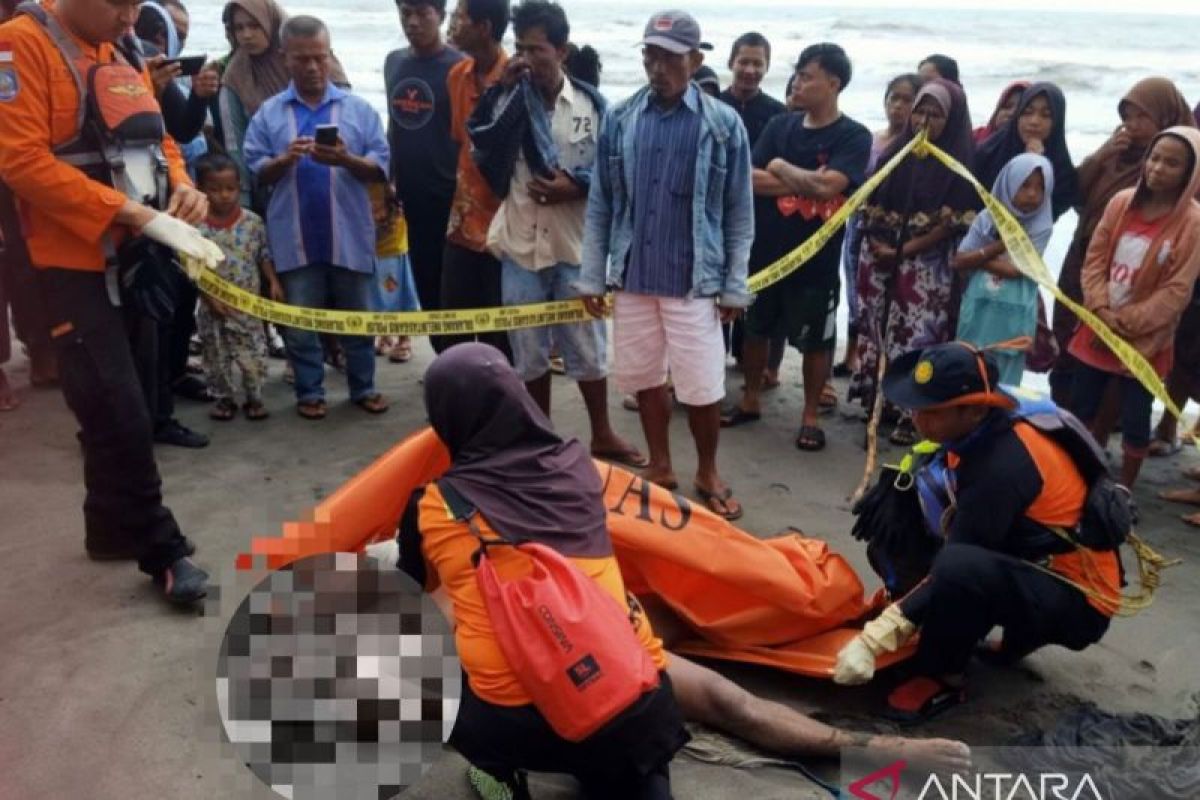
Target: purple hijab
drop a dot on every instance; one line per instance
(505, 458)
(923, 184)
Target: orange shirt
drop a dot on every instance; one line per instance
(474, 204)
(64, 214)
(1058, 506)
(447, 545)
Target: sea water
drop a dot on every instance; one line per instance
(1093, 57)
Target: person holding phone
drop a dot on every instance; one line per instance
(319, 147)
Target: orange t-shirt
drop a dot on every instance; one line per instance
(64, 214)
(448, 545)
(474, 203)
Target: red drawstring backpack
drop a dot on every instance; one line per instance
(569, 643)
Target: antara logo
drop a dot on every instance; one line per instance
(983, 786)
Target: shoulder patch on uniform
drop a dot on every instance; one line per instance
(9, 85)
(6, 52)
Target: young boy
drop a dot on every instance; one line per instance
(229, 337)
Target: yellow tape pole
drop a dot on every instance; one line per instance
(1027, 259)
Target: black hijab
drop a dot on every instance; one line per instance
(505, 458)
(923, 185)
(1005, 144)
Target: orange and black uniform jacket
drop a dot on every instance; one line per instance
(63, 213)
(436, 549)
(1013, 486)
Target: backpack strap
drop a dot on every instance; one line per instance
(464, 511)
(68, 48)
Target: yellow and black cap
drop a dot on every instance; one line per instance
(951, 374)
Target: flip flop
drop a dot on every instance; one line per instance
(372, 403)
(738, 416)
(810, 438)
(626, 458)
(223, 410)
(312, 409)
(842, 370)
(904, 434)
(921, 698)
(710, 499)
(1187, 496)
(1161, 447)
(1191, 519)
(255, 411)
(400, 354)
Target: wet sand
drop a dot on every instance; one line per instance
(105, 693)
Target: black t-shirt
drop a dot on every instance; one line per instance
(755, 112)
(424, 157)
(782, 224)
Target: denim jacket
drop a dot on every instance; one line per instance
(722, 205)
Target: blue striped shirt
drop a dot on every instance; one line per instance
(664, 182)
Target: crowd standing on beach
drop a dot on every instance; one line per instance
(502, 179)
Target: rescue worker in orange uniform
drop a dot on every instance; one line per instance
(83, 151)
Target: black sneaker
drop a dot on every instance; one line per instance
(183, 582)
(174, 432)
(124, 550)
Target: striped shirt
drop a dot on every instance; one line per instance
(664, 181)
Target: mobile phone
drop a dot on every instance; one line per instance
(327, 135)
(189, 66)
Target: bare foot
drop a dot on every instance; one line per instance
(1189, 496)
(611, 447)
(663, 476)
(8, 397)
(934, 755)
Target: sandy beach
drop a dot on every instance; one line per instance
(106, 694)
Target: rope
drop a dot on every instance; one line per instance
(1150, 564)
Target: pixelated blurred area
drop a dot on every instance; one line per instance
(337, 671)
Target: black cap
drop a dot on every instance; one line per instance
(951, 374)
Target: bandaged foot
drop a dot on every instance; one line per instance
(195, 252)
(887, 633)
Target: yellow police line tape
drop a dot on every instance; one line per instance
(1026, 258)
(487, 320)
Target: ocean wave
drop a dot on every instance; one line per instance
(878, 26)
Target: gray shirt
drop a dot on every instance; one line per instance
(424, 157)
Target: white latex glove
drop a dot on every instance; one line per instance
(887, 633)
(196, 253)
(386, 553)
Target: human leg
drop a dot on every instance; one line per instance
(1137, 404)
(306, 286)
(530, 347)
(351, 291)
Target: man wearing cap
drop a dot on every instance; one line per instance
(1009, 491)
(668, 229)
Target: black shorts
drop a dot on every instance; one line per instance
(804, 315)
(628, 757)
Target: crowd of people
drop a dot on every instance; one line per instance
(500, 179)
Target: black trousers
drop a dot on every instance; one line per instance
(182, 326)
(427, 216)
(628, 758)
(970, 589)
(100, 383)
(471, 280)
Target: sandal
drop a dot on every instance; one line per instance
(904, 434)
(401, 353)
(810, 438)
(737, 415)
(312, 409)
(842, 370)
(372, 403)
(1191, 519)
(921, 698)
(223, 410)
(255, 411)
(720, 504)
(1161, 447)
(626, 458)
(829, 399)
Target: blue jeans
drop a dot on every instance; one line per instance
(582, 345)
(328, 286)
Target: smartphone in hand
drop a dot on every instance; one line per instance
(189, 66)
(327, 135)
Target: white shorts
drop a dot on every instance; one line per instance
(657, 336)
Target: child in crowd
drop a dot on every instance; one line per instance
(394, 288)
(227, 336)
(1000, 304)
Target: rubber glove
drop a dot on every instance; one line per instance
(195, 252)
(887, 633)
